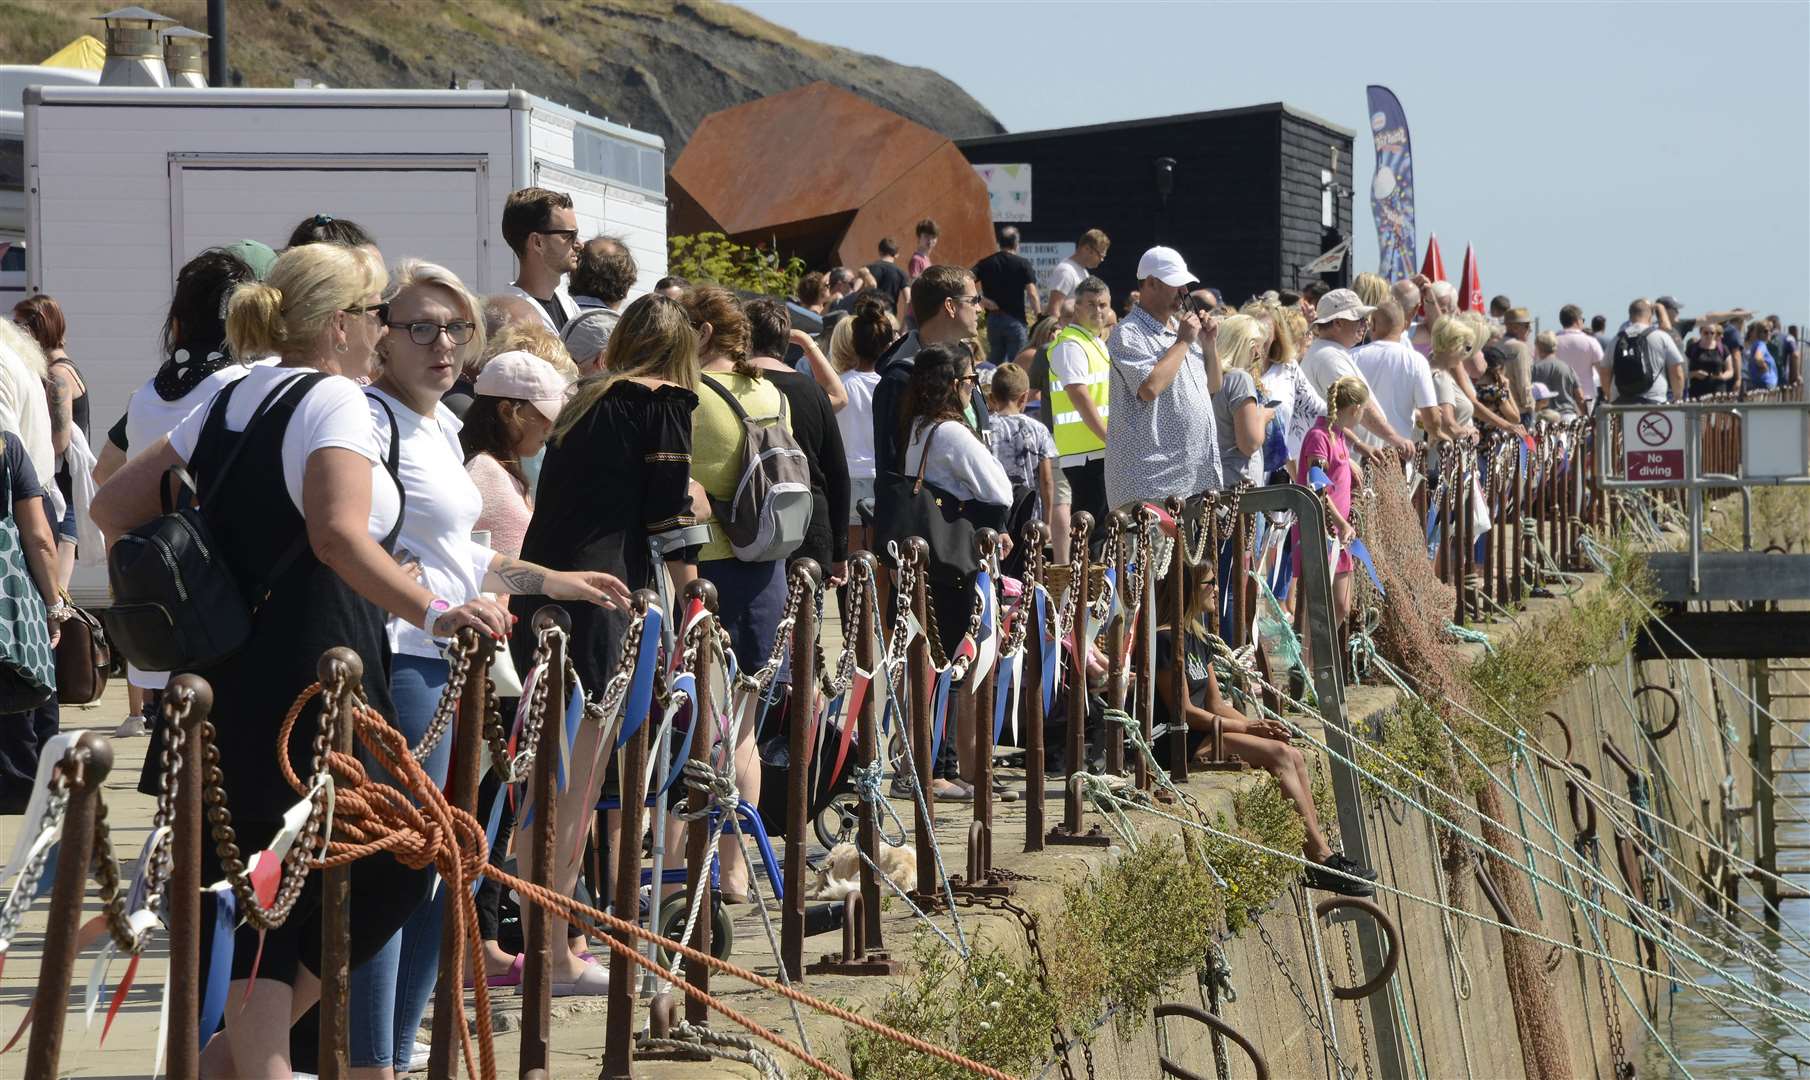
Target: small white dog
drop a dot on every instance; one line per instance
(841, 872)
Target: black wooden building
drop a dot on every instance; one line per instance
(1249, 196)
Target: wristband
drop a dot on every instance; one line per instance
(435, 608)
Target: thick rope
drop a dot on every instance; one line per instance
(376, 818)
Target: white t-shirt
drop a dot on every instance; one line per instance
(332, 414)
(1326, 362)
(1068, 364)
(857, 423)
(1296, 402)
(1401, 381)
(149, 417)
(1067, 275)
(961, 465)
(443, 505)
(25, 412)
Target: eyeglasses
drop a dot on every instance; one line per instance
(570, 236)
(426, 333)
(975, 300)
(970, 377)
(382, 311)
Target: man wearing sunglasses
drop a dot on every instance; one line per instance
(541, 227)
(946, 303)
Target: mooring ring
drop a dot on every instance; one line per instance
(1212, 1020)
(1390, 958)
(1671, 697)
(1545, 756)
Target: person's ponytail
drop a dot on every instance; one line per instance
(254, 320)
(873, 330)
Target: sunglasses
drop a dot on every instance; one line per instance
(569, 235)
(458, 332)
(382, 311)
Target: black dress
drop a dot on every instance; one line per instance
(610, 489)
(309, 609)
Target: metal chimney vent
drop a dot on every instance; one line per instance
(185, 55)
(134, 50)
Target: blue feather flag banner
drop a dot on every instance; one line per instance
(1392, 185)
(641, 682)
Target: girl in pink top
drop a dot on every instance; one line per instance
(511, 415)
(1327, 446)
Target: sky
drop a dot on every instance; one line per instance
(1591, 151)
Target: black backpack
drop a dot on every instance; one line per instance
(1632, 375)
(177, 605)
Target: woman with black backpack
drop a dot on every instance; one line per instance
(301, 503)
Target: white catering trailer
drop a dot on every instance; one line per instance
(125, 184)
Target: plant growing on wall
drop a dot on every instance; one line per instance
(713, 257)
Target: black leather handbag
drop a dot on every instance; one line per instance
(911, 506)
(177, 604)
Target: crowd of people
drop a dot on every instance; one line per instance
(385, 459)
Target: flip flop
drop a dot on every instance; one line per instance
(512, 977)
(593, 981)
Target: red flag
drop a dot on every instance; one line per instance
(1470, 290)
(1434, 264)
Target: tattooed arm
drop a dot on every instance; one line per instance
(507, 575)
(59, 394)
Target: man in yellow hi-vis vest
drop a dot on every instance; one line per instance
(1080, 367)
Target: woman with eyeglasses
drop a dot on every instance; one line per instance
(432, 319)
(304, 504)
(934, 429)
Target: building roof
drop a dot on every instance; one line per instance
(1154, 121)
(804, 154)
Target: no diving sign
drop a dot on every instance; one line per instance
(1653, 446)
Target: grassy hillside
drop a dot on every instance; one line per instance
(658, 66)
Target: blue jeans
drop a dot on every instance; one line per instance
(1005, 338)
(390, 991)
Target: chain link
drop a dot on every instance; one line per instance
(26, 888)
(459, 657)
(1307, 1010)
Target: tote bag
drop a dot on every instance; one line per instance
(912, 506)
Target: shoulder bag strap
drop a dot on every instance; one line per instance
(924, 457)
(392, 464)
(304, 382)
(723, 392)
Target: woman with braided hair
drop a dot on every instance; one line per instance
(1326, 450)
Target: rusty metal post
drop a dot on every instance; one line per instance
(1030, 698)
(339, 666)
(86, 763)
(697, 836)
(865, 953)
(1144, 660)
(188, 832)
(918, 679)
(1518, 554)
(980, 694)
(1069, 830)
(461, 793)
(1118, 675)
(1464, 530)
(804, 575)
(1178, 646)
(537, 942)
(631, 757)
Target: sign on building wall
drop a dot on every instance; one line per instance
(1044, 258)
(1008, 191)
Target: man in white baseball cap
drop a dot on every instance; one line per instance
(1164, 375)
(1340, 320)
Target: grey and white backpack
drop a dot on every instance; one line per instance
(767, 516)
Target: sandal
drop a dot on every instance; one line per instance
(512, 977)
(593, 981)
(951, 791)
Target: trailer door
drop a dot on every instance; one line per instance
(430, 206)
